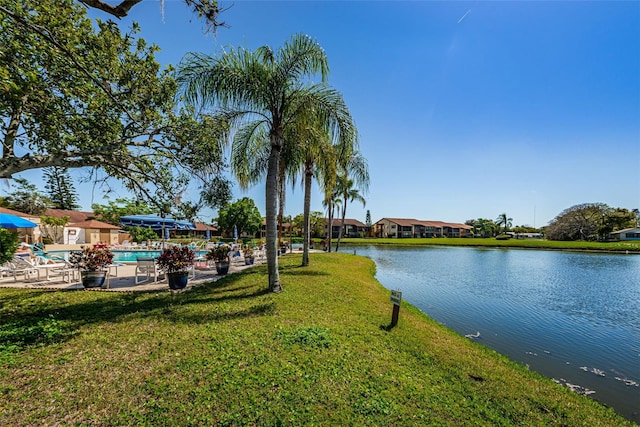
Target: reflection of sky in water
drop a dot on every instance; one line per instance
(555, 311)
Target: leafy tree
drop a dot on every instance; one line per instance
(141, 234)
(243, 214)
(263, 92)
(53, 228)
(483, 227)
(579, 222)
(113, 210)
(504, 221)
(80, 95)
(26, 199)
(60, 187)
(8, 245)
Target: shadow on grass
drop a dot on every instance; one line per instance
(298, 270)
(34, 317)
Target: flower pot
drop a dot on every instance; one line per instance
(93, 279)
(249, 260)
(178, 279)
(222, 267)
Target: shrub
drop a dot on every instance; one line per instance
(176, 258)
(91, 258)
(8, 245)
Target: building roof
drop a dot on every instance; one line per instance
(408, 222)
(200, 226)
(626, 230)
(347, 221)
(17, 213)
(92, 223)
(405, 222)
(74, 216)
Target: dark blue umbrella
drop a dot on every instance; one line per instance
(14, 221)
(156, 222)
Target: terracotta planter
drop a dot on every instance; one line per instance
(178, 280)
(93, 279)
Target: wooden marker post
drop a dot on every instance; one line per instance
(396, 297)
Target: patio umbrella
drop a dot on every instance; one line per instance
(14, 221)
(235, 233)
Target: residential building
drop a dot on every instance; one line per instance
(352, 228)
(626, 234)
(409, 227)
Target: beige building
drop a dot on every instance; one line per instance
(408, 228)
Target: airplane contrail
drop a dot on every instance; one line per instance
(464, 16)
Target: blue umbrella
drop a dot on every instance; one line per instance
(235, 232)
(208, 234)
(14, 221)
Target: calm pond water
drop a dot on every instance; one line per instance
(574, 317)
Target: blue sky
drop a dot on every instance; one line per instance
(464, 109)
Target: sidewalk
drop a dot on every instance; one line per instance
(121, 280)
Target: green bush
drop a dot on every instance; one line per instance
(8, 245)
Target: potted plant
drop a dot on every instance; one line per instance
(220, 255)
(92, 263)
(175, 261)
(249, 258)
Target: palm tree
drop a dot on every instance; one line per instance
(262, 92)
(504, 221)
(354, 172)
(349, 194)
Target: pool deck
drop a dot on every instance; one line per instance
(121, 279)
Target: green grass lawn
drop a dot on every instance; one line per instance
(623, 246)
(230, 353)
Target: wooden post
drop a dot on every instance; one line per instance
(396, 298)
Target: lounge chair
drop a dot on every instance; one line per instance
(148, 268)
(20, 266)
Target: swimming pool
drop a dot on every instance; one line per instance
(120, 256)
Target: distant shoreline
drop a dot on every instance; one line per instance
(622, 247)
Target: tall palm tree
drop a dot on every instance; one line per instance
(348, 194)
(264, 91)
(505, 221)
(354, 172)
(317, 159)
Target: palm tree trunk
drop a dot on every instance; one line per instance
(344, 214)
(330, 233)
(271, 217)
(306, 229)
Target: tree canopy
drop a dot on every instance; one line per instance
(60, 187)
(77, 94)
(589, 221)
(242, 214)
(26, 199)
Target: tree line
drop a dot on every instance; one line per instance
(586, 221)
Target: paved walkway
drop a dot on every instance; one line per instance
(121, 279)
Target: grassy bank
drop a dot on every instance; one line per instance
(230, 353)
(630, 246)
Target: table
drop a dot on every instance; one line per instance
(109, 267)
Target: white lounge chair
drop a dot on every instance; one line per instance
(20, 266)
(148, 268)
